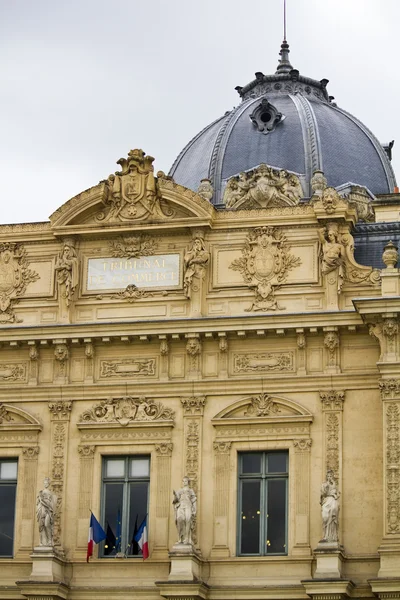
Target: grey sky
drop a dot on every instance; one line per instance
(84, 81)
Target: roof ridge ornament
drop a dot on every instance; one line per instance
(284, 65)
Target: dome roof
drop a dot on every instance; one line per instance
(289, 122)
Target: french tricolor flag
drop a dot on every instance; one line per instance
(96, 535)
(141, 538)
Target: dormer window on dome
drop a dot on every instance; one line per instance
(266, 116)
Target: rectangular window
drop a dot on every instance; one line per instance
(8, 491)
(124, 502)
(263, 485)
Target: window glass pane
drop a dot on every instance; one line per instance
(250, 517)
(8, 470)
(277, 462)
(251, 463)
(7, 510)
(137, 511)
(140, 467)
(276, 521)
(115, 467)
(113, 517)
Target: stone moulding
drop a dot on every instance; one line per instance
(126, 410)
(263, 362)
(262, 408)
(13, 417)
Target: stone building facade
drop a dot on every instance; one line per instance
(214, 323)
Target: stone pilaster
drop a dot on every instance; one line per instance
(193, 409)
(193, 351)
(332, 354)
(86, 455)
(60, 414)
(33, 363)
(301, 352)
(164, 360)
(221, 499)
(89, 360)
(163, 501)
(302, 497)
(61, 357)
(28, 518)
(223, 356)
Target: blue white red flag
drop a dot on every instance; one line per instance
(96, 535)
(141, 538)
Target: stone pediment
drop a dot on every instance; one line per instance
(132, 196)
(12, 417)
(262, 406)
(126, 411)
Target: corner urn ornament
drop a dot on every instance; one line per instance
(132, 193)
(264, 265)
(14, 278)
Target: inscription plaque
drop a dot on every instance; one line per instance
(157, 271)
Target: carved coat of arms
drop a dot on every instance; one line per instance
(14, 277)
(264, 265)
(132, 193)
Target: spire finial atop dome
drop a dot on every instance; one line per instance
(284, 65)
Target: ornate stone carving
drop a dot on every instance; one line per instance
(185, 507)
(131, 293)
(359, 198)
(132, 194)
(330, 509)
(86, 451)
(390, 255)
(193, 349)
(318, 183)
(302, 445)
(262, 406)
(89, 351)
(266, 116)
(31, 452)
(60, 410)
(331, 343)
(33, 353)
(164, 449)
(332, 400)
(4, 414)
(390, 389)
(263, 187)
(61, 352)
(67, 271)
(13, 372)
(46, 503)
(193, 405)
(223, 344)
(15, 275)
(330, 200)
(392, 467)
(205, 189)
(222, 447)
(195, 263)
(133, 246)
(390, 328)
(164, 347)
(264, 265)
(126, 410)
(130, 367)
(263, 362)
(332, 443)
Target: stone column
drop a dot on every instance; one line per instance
(302, 497)
(390, 547)
(163, 500)
(193, 409)
(221, 499)
(28, 517)
(86, 463)
(60, 415)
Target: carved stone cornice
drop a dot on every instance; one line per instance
(164, 449)
(302, 445)
(222, 447)
(60, 410)
(390, 389)
(86, 451)
(193, 405)
(332, 400)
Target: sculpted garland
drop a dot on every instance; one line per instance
(14, 278)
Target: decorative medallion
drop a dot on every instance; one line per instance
(263, 187)
(266, 116)
(133, 246)
(264, 265)
(132, 194)
(126, 410)
(14, 278)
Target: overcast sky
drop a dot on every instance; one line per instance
(84, 81)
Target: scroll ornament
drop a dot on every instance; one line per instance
(263, 187)
(126, 410)
(15, 275)
(132, 194)
(264, 265)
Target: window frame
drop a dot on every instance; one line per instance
(15, 460)
(263, 476)
(126, 480)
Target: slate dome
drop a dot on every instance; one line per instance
(287, 121)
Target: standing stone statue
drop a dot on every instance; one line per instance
(46, 503)
(185, 506)
(195, 262)
(330, 509)
(67, 272)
